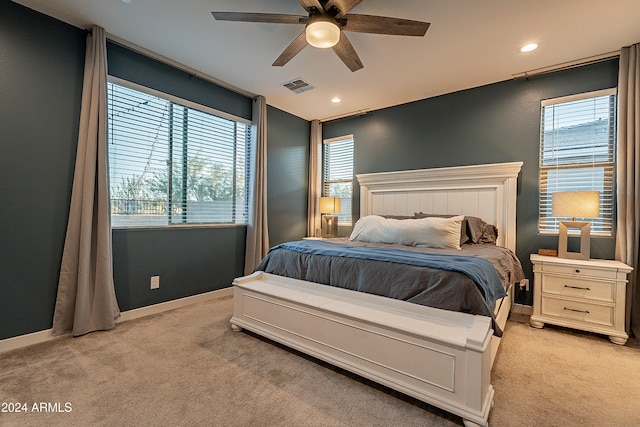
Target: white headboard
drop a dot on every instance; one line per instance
(486, 191)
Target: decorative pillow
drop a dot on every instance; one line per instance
(435, 232)
(474, 229)
(481, 232)
(464, 235)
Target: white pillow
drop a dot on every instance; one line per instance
(433, 232)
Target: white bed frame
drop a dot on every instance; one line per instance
(441, 357)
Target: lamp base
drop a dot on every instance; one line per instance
(329, 226)
(585, 240)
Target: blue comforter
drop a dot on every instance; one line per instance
(468, 281)
(481, 271)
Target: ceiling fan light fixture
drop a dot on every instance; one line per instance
(322, 32)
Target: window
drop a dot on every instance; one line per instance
(174, 162)
(577, 138)
(337, 173)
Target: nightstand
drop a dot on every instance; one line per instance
(581, 294)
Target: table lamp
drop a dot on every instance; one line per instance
(328, 207)
(575, 204)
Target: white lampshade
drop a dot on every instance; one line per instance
(322, 32)
(329, 205)
(576, 204)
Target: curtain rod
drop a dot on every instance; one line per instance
(567, 65)
(346, 115)
(153, 55)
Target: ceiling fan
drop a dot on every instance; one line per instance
(325, 25)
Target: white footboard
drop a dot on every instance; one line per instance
(438, 356)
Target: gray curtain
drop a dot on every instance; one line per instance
(628, 177)
(86, 299)
(315, 178)
(257, 230)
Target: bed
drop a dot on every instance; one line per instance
(439, 356)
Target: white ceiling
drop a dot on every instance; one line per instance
(470, 43)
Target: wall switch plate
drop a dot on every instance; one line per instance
(155, 282)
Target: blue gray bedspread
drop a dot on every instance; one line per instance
(481, 271)
(469, 281)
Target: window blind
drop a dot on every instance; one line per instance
(337, 174)
(577, 142)
(174, 164)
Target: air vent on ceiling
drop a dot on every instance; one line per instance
(297, 85)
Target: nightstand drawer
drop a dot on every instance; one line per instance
(580, 271)
(578, 311)
(579, 288)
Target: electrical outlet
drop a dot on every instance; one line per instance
(155, 282)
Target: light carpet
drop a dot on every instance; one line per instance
(187, 368)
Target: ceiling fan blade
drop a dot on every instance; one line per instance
(385, 25)
(309, 5)
(292, 50)
(260, 17)
(341, 6)
(347, 53)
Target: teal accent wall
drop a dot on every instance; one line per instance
(189, 261)
(489, 124)
(41, 68)
(287, 171)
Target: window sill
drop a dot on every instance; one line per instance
(174, 226)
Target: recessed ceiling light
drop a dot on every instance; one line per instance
(528, 47)
(336, 100)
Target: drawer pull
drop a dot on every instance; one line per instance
(577, 311)
(577, 287)
(577, 271)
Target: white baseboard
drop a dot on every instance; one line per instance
(21, 341)
(26, 340)
(172, 305)
(522, 309)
